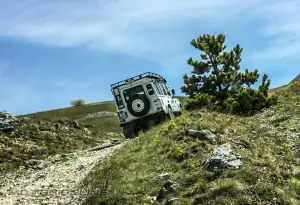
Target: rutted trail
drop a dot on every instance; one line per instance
(57, 183)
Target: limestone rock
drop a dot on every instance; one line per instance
(223, 157)
(100, 114)
(152, 199)
(35, 164)
(163, 178)
(7, 122)
(201, 135)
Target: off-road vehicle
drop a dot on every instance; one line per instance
(144, 101)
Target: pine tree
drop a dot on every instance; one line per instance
(218, 73)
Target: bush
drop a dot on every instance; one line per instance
(78, 102)
(248, 101)
(200, 100)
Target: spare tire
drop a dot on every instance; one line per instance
(138, 105)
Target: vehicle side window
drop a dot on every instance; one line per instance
(158, 89)
(163, 89)
(150, 89)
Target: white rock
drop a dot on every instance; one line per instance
(224, 157)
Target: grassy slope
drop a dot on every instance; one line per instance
(296, 79)
(39, 138)
(270, 174)
(74, 112)
(100, 126)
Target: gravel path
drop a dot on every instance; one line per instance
(57, 183)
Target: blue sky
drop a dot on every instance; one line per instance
(52, 52)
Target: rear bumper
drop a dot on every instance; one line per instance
(145, 118)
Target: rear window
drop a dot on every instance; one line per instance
(129, 93)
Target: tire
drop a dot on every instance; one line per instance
(171, 115)
(163, 118)
(178, 114)
(128, 130)
(150, 124)
(138, 106)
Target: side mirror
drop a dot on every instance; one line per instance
(173, 92)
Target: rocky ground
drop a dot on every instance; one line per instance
(55, 181)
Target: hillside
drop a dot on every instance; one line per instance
(44, 134)
(61, 131)
(168, 165)
(297, 79)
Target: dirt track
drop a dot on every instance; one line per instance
(57, 183)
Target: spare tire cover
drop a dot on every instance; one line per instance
(138, 105)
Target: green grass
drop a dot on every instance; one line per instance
(74, 112)
(104, 125)
(270, 173)
(182, 99)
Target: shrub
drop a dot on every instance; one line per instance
(200, 100)
(78, 102)
(248, 101)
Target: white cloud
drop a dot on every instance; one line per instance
(125, 26)
(134, 26)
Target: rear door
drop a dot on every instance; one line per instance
(137, 101)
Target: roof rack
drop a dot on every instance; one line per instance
(138, 77)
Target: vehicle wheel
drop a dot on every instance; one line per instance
(171, 115)
(163, 118)
(128, 130)
(150, 124)
(138, 105)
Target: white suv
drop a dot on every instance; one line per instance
(144, 101)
